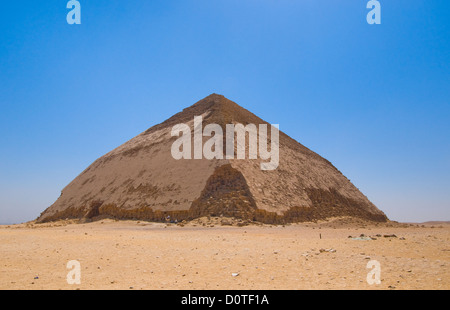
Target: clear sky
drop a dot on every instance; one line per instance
(372, 99)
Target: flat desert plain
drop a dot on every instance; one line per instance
(205, 254)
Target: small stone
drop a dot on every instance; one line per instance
(390, 236)
(234, 274)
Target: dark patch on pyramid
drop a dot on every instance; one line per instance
(226, 194)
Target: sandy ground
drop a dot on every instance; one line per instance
(142, 255)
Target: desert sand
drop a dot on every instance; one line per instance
(205, 254)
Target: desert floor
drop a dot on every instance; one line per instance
(206, 255)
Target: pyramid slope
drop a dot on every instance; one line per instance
(141, 180)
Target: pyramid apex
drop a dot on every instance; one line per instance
(214, 97)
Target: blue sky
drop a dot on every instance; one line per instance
(372, 99)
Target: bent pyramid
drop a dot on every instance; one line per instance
(141, 180)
